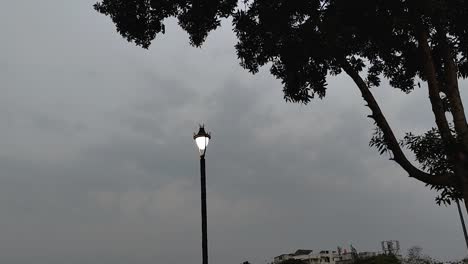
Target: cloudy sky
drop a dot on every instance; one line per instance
(98, 165)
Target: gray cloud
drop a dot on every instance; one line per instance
(98, 164)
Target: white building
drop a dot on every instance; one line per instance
(321, 257)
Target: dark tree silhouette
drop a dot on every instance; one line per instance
(292, 261)
(404, 41)
(415, 256)
(383, 259)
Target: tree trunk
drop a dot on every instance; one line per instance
(462, 221)
(465, 200)
(452, 90)
(462, 176)
(465, 194)
(461, 173)
(430, 74)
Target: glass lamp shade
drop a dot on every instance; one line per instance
(201, 139)
(202, 142)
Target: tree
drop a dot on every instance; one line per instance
(415, 256)
(293, 261)
(380, 259)
(405, 42)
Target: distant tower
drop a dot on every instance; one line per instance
(391, 247)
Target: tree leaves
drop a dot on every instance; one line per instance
(377, 141)
(430, 151)
(139, 21)
(305, 41)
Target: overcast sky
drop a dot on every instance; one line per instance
(98, 164)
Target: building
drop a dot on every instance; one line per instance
(302, 254)
(341, 256)
(321, 257)
(281, 258)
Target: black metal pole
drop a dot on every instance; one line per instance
(203, 211)
(462, 222)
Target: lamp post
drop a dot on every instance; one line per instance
(201, 139)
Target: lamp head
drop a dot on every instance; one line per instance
(202, 138)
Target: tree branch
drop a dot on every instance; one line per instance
(389, 137)
(453, 92)
(433, 86)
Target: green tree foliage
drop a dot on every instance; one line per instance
(430, 152)
(380, 259)
(304, 42)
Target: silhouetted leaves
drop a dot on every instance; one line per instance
(293, 261)
(140, 21)
(430, 151)
(377, 141)
(415, 256)
(380, 259)
(305, 41)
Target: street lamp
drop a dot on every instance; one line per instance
(201, 139)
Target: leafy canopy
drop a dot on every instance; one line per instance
(380, 259)
(304, 41)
